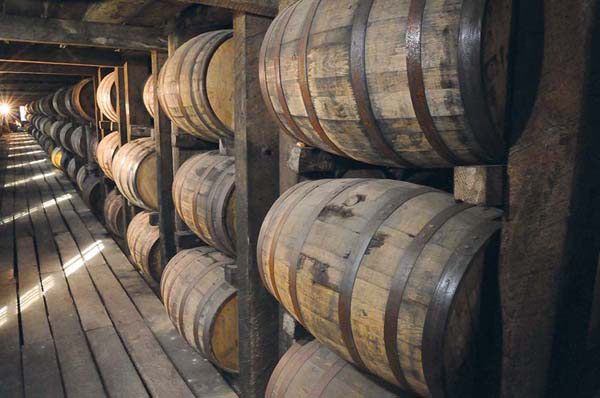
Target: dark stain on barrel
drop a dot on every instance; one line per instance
(335, 211)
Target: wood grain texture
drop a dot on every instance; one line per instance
(142, 240)
(114, 206)
(373, 80)
(106, 97)
(204, 197)
(481, 185)
(202, 305)
(195, 86)
(325, 251)
(106, 151)
(311, 370)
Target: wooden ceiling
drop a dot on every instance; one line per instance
(69, 39)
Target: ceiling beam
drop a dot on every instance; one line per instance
(44, 54)
(12, 67)
(88, 34)
(115, 11)
(25, 86)
(267, 8)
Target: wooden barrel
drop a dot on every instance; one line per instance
(204, 196)
(81, 176)
(79, 141)
(46, 106)
(92, 193)
(59, 103)
(311, 370)
(72, 168)
(148, 95)
(45, 124)
(64, 135)
(65, 160)
(196, 86)
(114, 206)
(56, 156)
(82, 99)
(134, 171)
(46, 143)
(106, 151)
(142, 240)
(202, 305)
(106, 97)
(393, 83)
(387, 266)
(54, 129)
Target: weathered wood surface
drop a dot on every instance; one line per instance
(107, 97)
(87, 34)
(202, 305)
(107, 149)
(142, 240)
(311, 370)
(114, 206)
(17, 52)
(266, 8)
(136, 71)
(135, 173)
(204, 197)
(481, 185)
(256, 154)
(328, 244)
(329, 77)
(42, 69)
(160, 360)
(550, 239)
(196, 86)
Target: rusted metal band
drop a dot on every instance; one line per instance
(190, 287)
(472, 85)
(358, 71)
(219, 127)
(302, 234)
(393, 199)
(262, 73)
(280, 368)
(199, 311)
(416, 82)
(282, 201)
(300, 358)
(327, 377)
(438, 313)
(303, 78)
(400, 280)
(166, 295)
(296, 131)
(224, 296)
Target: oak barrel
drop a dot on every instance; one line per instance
(420, 83)
(148, 95)
(311, 370)
(196, 86)
(92, 193)
(54, 129)
(134, 171)
(106, 97)
(114, 206)
(45, 125)
(81, 176)
(379, 271)
(202, 305)
(204, 196)
(82, 99)
(78, 141)
(72, 168)
(142, 240)
(46, 107)
(59, 102)
(65, 160)
(64, 135)
(56, 156)
(106, 151)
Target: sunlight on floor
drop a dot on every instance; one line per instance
(26, 180)
(44, 205)
(15, 166)
(24, 153)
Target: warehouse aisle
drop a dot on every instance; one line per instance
(76, 318)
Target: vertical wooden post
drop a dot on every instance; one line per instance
(93, 134)
(550, 244)
(136, 73)
(164, 164)
(256, 149)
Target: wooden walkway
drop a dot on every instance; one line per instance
(76, 319)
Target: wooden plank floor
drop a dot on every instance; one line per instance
(76, 318)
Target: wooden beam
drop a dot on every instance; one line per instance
(256, 150)
(87, 34)
(46, 54)
(550, 239)
(267, 8)
(114, 11)
(164, 164)
(16, 68)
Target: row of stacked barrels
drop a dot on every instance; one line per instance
(61, 124)
(386, 275)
